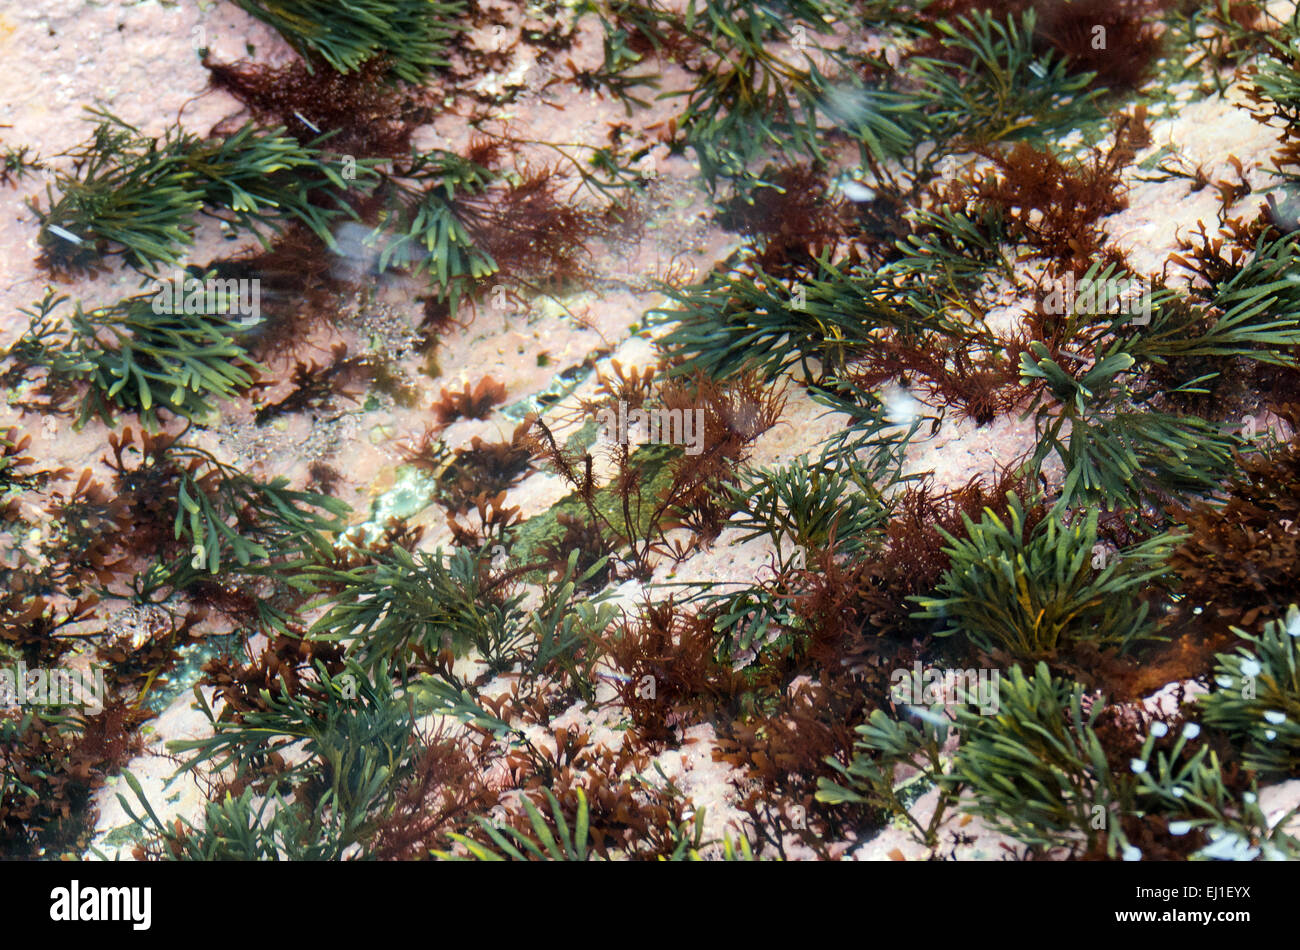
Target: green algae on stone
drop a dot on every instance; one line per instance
(412, 492)
(531, 536)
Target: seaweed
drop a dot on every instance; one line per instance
(867, 779)
(357, 744)
(569, 846)
(361, 115)
(1047, 770)
(992, 84)
(1084, 33)
(982, 386)
(1236, 563)
(659, 486)
(475, 403)
(792, 217)
(671, 677)
(756, 321)
(15, 164)
(1200, 797)
(52, 761)
(495, 522)
(411, 35)
(83, 549)
(462, 223)
(1033, 591)
(406, 604)
(615, 74)
(1223, 34)
(653, 826)
(1257, 696)
(1119, 456)
(913, 555)
(316, 386)
(160, 358)
(758, 92)
(1088, 33)
(587, 538)
(444, 790)
(536, 236)
(33, 627)
(1055, 207)
(1167, 538)
(807, 504)
(138, 196)
(300, 285)
(789, 751)
(193, 513)
(1037, 770)
(733, 416)
(484, 468)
